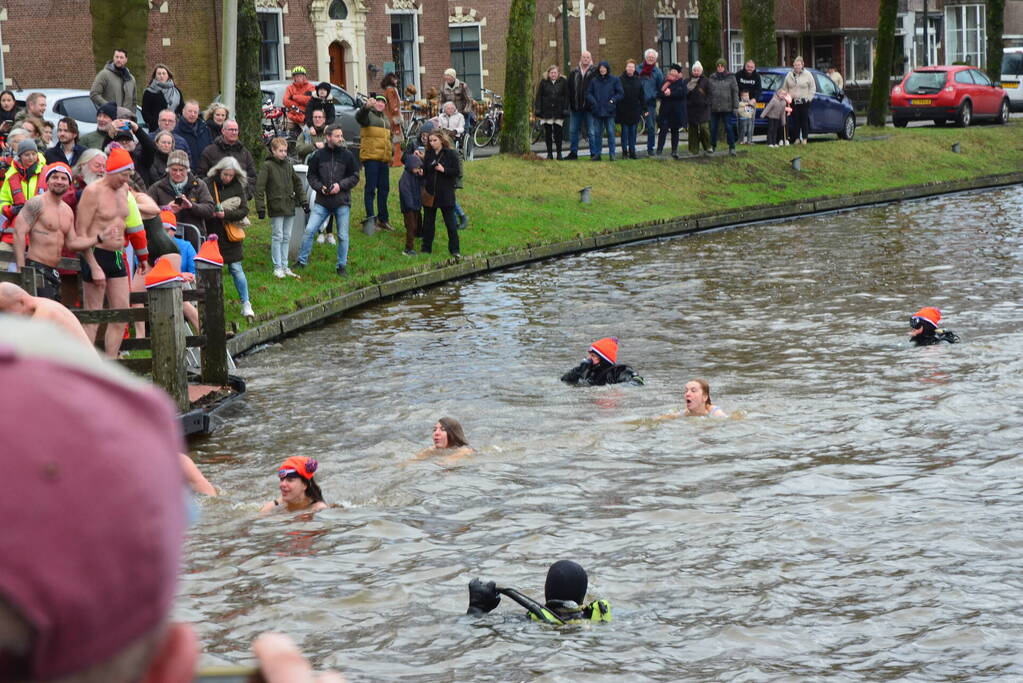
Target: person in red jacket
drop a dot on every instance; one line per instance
(296, 97)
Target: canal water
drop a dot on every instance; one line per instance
(857, 518)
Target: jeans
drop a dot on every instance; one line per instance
(598, 125)
(316, 220)
(459, 211)
(378, 182)
(746, 130)
(727, 119)
(280, 239)
(579, 120)
(629, 138)
(649, 124)
(240, 283)
(430, 223)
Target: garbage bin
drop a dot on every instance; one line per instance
(298, 225)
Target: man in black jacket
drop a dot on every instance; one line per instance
(748, 79)
(578, 82)
(333, 172)
(601, 367)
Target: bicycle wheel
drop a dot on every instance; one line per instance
(467, 148)
(484, 133)
(537, 131)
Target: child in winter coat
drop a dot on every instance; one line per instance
(279, 190)
(776, 112)
(321, 101)
(747, 112)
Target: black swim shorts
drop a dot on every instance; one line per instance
(112, 263)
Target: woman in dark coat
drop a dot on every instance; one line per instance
(551, 108)
(161, 94)
(440, 172)
(672, 115)
(698, 109)
(227, 182)
(630, 109)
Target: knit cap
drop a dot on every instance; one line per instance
(606, 348)
(300, 465)
(178, 157)
(929, 314)
(109, 109)
(169, 220)
(27, 145)
(119, 161)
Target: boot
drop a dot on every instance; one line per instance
(548, 138)
(559, 133)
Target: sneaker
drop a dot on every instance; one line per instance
(409, 252)
(456, 256)
(279, 273)
(731, 152)
(247, 310)
(342, 271)
(572, 156)
(384, 225)
(290, 273)
(321, 238)
(463, 221)
(331, 240)
(298, 265)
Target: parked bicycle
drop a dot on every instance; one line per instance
(414, 116)
(488, 129)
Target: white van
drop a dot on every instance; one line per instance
(1012, 76)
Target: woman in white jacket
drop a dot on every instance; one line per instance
(802, 86)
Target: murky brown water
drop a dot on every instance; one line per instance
(862, 522)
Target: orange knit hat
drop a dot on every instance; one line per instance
(169, 219)
(606, 348)
(119, 160)
(163, 273)
(929, 314)
(210, 252)
(300, 465)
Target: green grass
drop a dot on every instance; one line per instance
(513, 202)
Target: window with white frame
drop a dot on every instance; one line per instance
(666, 41)
(965, 34)
(466, 58)
(271, 47)
(404, 48)
(859, 59)
(736, 54)
(933, 40)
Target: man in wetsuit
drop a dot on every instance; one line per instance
(564, 597)
(600, 368)
(50, 224)
(107, 203)
(925, 331)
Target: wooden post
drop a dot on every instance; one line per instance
(214, 328)
(167, 331)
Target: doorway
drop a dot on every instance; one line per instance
(337, 64)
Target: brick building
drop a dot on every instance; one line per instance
(354, 42)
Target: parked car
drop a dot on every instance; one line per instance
(61, 102)
(830, 111)
(344, 110)
(1012, 77)
(940, 93)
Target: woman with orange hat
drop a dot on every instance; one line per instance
(924, 329)
(299, 493)
(448, 440)
(600, 366)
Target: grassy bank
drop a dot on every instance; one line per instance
(514, 202)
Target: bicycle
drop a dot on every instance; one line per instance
(415, 117)
(488, 129)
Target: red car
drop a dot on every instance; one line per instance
(940, 93)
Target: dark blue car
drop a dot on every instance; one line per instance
(830, 112)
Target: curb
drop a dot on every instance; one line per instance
(402, 283)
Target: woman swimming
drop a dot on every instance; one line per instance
(697, 401)
(299, 493)
(448, 440)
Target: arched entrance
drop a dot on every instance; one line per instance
(338, 72)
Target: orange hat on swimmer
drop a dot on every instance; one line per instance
(606, 348)
(119, 160)
(300, 465)
(169, 220)
(927, 314)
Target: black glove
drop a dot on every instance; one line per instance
(261, 214)
(483, 597)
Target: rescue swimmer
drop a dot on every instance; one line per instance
(924, 330)
(564, 597)
(600, 367)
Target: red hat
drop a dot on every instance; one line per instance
(300, 465)
(209, 252)
(57, 167)
(929, 314)
(170, 219)
(606, 348)
(93, 529)
(163, 273)
(119, 160)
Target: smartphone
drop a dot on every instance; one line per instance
(229, 674)
(179, 200)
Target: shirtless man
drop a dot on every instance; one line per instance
(15, 300)
(107, 203)
(50, 223)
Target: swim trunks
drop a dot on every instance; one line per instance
(51, 280)
(112, 263)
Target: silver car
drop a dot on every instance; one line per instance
(61, 102)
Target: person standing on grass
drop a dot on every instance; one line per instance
(801, 85)
(375, 155)
(603, 95)
(698, 109)
(631, 109)
(724, 103)
(673, 109)
(578, 82)
(441, 169)
(551, 108)
(652, 79)
(227, 182)
(410, 196)
(278, 192)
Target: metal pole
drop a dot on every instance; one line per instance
(229, 59)
(564, 35)
(582, 25)
(728, 34)
(927, 38)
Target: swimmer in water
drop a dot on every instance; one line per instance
(448, 440)
(600, 366)
(697, 401)
(564, 597)
(924, 328)
(299, 493)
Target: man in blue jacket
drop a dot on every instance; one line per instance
(193, 129)
(652, 78)
(603, 95)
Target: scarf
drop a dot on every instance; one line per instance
(693, 82)
(170, 94)
(668, 80)
(647, 71)
(178, 188)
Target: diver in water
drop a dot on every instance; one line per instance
(599, 368)
(925, 331)
(564, 593)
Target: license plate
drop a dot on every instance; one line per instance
(1010, 84)
(761, 105)
(917, 103)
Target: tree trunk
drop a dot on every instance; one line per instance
(710, 33)
(248, 100)
(518, 77)
(759, 41)
(995, 28)
(880, 89)
(124, 25)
